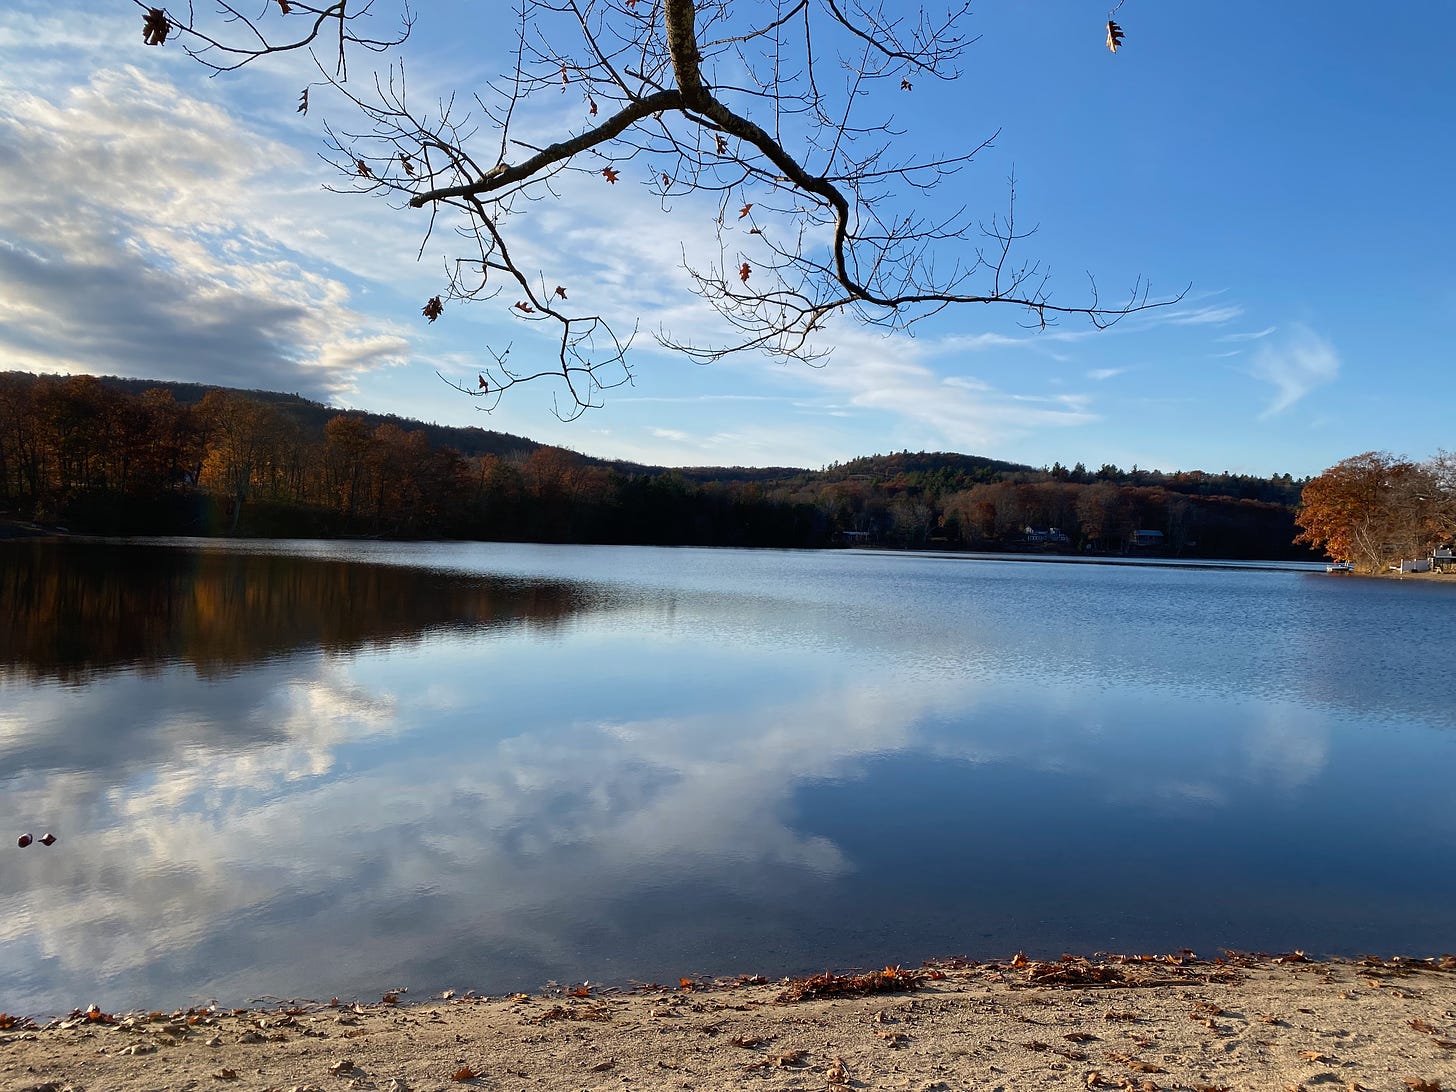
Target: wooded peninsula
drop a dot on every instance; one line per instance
(126, 456)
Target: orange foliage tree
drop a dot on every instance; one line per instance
(1370, 510)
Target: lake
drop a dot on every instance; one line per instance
(283, 769)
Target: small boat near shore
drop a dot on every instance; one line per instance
(1340, 567)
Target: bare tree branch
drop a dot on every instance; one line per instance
(695, 98)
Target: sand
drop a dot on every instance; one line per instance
(1231, 1024)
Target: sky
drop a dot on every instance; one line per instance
(1287, 167)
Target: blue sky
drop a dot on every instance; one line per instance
(1290, 163)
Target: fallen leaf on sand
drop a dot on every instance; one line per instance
(788, 1059)
(1316, 1056)
(225, 1075)
(748, 1042)
(837, 1073)
(602, 1066)
(341, 1066)
(1416, 1084)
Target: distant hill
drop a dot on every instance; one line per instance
(467, 440)
(91, 454)
(937, 472)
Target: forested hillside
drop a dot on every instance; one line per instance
(132, 456)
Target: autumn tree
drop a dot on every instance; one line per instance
(1370, 510)
(1442, 469)
(780, 114)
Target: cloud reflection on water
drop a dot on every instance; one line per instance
(656, 783)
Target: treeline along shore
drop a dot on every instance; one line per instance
(120, 456)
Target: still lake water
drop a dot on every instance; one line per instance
(317, 769)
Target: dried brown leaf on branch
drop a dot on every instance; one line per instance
(407, 163)
(155, 27)
(484, 384)
(611, 174)
(745, 210)
(524, 307)
(1114, 35)
(743, 272)
(285, 7)
(433, 308)
(303, 101)
(559, 291)
(362, 169)
(906, 85)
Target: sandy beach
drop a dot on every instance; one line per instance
(1138, 1024)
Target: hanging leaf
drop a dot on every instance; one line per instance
(906, 85)
(285, 7)
(303, 101)
(559, 292)
(483, 384)
(1114, 35)
(591, 106)
(722, 145)
(611, 174)
(524, 307)
(155, 27)
(666, 182)
(362, 169)
(407, 164)
(744, 211)
(743, 272)
(433, 308)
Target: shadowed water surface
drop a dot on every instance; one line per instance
(314, 769)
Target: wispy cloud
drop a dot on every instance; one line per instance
(1255, 335)
(889, 374)
(1100, 374)
(1203, 316)
(1296, 366)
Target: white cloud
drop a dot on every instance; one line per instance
(1255, 335)
(1299, 364)
(1100, 374)
(1203, 316)
(966, 413)
(140, 240)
